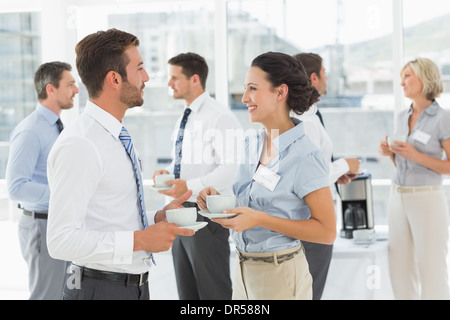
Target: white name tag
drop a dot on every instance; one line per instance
(266, 178)
(421, 136)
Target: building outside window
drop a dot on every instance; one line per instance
(19, 58)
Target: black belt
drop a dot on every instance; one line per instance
(189, 204)
(34, 214)
(124, 278)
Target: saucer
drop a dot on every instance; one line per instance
(197, 226)
(160, 188)
(212, 215)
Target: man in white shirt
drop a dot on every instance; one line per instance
(96, 218)
(341, 171)
(205, 156)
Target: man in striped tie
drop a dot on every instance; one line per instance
(97, 216)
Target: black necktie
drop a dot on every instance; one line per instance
(320, 117)
(179, 143)
(60, 125)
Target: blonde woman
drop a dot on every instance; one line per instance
(282, 186)
(418, 213)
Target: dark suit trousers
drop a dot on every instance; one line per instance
(319, 258)
(202, 263)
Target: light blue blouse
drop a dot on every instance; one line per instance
(302, 168)
(432, 128)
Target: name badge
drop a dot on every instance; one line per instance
(421, 136)
(266, 178)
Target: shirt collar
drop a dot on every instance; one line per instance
(289, 137)
(104, 118)
(431, 110)
(48, 114)
(197, 103)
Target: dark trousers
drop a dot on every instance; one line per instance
(87, 288)
(319, 258)
(202, 263)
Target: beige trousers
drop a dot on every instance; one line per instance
(259, 280)
(418, 240)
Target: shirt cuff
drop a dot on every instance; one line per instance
(337, 169)
(151, 217)
(123, 250)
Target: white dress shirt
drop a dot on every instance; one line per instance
(212, 142)
(93, 196)
(319, 136)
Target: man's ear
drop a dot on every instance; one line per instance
(196, 80)
(314, 79)
(113, 79)
(50, 89)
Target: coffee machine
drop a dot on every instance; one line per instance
(357, 205)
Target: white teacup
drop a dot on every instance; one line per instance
(182, 217)
(160, 180)
(218, 203)
(396, 138)
(364, 235)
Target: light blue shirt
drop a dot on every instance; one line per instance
(302, 168)
(430, 131)
(26, 171)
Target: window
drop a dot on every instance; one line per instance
(357, 51)
(164, 29)
(19, 59)
(426, 34)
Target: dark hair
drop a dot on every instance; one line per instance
(191, 63)
(284, 69)
(49, 73)
(311, 62)
(100, 53)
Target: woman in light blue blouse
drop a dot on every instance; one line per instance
(282, 186)
(417, 211)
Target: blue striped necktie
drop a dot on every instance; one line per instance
(125, 138)
(128, 144)
(179, 143)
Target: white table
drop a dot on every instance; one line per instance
(359, 272)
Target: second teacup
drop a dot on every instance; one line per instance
(182, 217)
(218, 203)
(396, 138)
(160, 180)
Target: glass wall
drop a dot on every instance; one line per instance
(357, 48)
(427, 34)
(165, 29)
(355, 40)
(19, 58)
